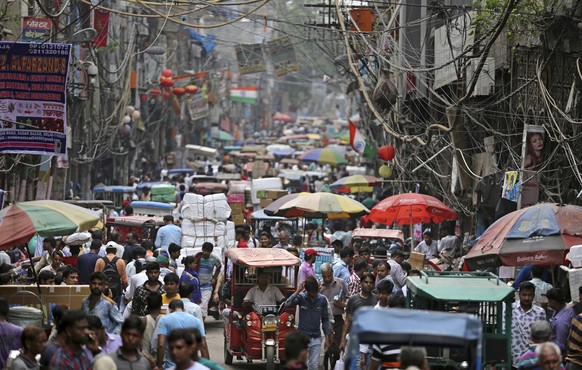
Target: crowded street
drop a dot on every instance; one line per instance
(290, 185)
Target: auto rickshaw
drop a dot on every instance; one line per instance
(452, 340)
(258, 333)
(146, 227)
(480, 294)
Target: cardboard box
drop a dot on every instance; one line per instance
(265, 202)
(276, 194)
(416, 260)
(237, 207)
(51, 295)
(235, 198)
(238, 220)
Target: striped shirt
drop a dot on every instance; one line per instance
(575, 341)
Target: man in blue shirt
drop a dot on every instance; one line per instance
(342, 268)
(313, 313)
(168, 234)
(96, 304)
(177, 319)
(86, 262)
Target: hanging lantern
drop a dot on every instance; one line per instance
(179, 91)
(129, 109)
(167, 72)
(385, 171)
(143, 97)
(126, 119)
(191, 89)
(165, 95)
(136, 115)
(386, 153)
(125, 130)
(167, 81)
(155, 92)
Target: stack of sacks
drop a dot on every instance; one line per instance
(204, 219)
(165, 193)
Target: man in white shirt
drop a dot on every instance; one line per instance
(263, 294)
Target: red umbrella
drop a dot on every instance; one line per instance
(536, 235)
(411, 208)
(282, 117)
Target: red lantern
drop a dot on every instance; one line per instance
(144, 97)
(386, 152)
(155, 92)
(191, 89)
(179, 91)
(167, 72)
(166, 81)
(165, 95)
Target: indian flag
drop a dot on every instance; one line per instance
(358, 142)
(244, 94)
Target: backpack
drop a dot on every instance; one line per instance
(113, 277)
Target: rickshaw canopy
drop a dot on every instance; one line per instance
(449, 286)
(415, 328)
(261, 215)
(262, 257)
(134, 221)
(113, 189)
(378, 233)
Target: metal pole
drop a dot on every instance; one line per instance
(411, 231)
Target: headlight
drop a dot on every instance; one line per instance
(270, 323)
(288, 324)
(249, 323)
(248, 317)
(291, 318)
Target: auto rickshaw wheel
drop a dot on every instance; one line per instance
(227, 354)
(270, 356)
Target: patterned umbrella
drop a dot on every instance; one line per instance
(356, 184)
(19, 222)
(273, 207)
(324, 156)
(322, 205)
(536, 235)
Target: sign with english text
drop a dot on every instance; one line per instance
(33, 98)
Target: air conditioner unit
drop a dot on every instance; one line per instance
(486, 80)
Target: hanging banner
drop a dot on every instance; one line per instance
(33, 80)
(510, 190)
(101, 22)
(283, 56)
(250, 58)
(37, 30)
(533, 146)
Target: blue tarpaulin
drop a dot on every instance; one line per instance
(206, 42)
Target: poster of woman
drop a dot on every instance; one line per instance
(534, 148)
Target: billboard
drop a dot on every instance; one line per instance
(33, 114)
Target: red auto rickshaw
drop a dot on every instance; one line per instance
(258, 333)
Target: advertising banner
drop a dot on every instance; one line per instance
(532, 160)
(37, 30)
(283, 56)
(250, 58)
(33, 109)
